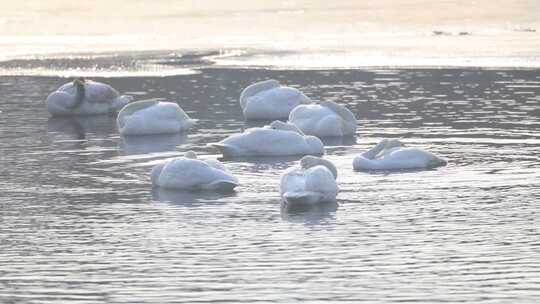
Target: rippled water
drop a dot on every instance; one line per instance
(80, 222)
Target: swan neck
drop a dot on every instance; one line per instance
(80, 92)
(373, 152)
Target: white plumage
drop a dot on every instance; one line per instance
(277, 139)
(313, 182)
(85, 97)
(268, 100)
(324, 119)
(391, 154)
(152, 117)
(189, 173)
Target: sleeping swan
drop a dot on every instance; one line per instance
(152, 117)
(391, 154)
(277, 139)
(85, 97)
(189, 173)
(324, 119)
(268, 100)
(314, 182)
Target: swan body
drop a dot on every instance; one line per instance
(324, 119)
(85, 97)
(391, 154)
(314, 182)
(152, 117)
(277, 139)
(268, 100)
(190, 173)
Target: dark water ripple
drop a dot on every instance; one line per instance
(81, 224)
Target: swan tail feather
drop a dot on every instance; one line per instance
(226, 150)
(437, 162)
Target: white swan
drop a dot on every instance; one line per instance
(85, 97)
(391, 154)
(314, 182)
(277, 139)
(324, 119)
(268, 100)
(152, 117)
(189, 173)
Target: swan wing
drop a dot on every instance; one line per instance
(321, 180)
(275, 103)
(99, 92)
(255, 88)
(192, 174)
(261, 142)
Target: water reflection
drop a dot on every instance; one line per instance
(79, 127)
(263, 160)
(189, 198)
(338, 140)
(64, 198)
(140, 144)
(312, 214)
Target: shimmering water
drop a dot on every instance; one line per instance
(80, 222)
(291, 33)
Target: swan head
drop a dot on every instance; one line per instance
(311, 161)
(190, 155)
(393, 143)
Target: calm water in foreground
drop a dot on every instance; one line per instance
(80, 222)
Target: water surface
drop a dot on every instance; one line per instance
(82, 224)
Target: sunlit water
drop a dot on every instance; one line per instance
(300, 33)
(80, 222)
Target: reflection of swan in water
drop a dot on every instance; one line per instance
(183, 197)
(338, 140)
(85, 97)
(306, 213)
(77, 127)
(391, 154)
(141, 144)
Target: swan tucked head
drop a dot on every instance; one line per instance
(311, 161)
(190, 155)
(79, 81)
(255, 88)
(80, 91)
(156, 172)
(279, 125)
(393, 143)
(340, 110)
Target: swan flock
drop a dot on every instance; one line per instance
(307, 122)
